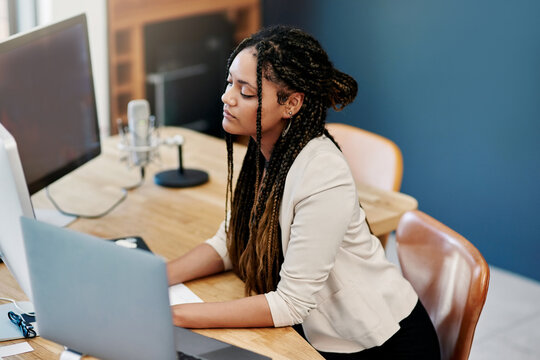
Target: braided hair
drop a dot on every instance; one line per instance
(296, 62)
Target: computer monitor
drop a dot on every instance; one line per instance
(14, 202)
(47, 100)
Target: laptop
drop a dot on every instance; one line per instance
(108, 301)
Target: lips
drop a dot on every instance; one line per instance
(227, 114)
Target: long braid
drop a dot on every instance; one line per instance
(230, 162)
(297, 63)
(230, 172)
(258, 124)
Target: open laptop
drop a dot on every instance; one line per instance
(108, 301)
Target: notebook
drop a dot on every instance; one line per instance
(108, 301)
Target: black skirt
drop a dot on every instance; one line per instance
(416, 339)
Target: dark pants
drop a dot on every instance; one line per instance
(416, 339)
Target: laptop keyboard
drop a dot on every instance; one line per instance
(184, 356)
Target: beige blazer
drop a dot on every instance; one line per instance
(335, 278)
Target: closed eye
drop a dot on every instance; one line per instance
(245, 96)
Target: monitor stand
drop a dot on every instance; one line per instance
(54, 217)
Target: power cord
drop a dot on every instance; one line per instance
(22, 311)
(99, 215)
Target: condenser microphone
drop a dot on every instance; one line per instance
(139, 130)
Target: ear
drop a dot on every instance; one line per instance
(293, 104)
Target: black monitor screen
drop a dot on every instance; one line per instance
(47, 100)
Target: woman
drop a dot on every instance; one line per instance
(296, 234)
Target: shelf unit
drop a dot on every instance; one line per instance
(126, 22)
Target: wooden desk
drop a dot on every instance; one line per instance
(172, 221)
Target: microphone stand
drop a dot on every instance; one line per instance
(181, 177)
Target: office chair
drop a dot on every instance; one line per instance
(374, 160)
(450, 276)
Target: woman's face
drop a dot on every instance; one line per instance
(240, 101)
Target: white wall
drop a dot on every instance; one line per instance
(96, 13)
(4, 25)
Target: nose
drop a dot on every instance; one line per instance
(227, 97)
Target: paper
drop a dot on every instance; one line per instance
(180, 294)
(15, 349)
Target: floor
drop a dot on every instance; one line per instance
(509, 326)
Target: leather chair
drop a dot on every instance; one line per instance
(374, 160)
(450, 276)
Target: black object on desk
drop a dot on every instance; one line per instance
(179, 178)
(132, 242)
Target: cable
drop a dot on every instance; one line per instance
(99, 215)
(29, 313)
(141, 181)
(83, 216)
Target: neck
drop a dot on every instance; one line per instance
(267, 150)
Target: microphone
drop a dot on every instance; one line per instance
(138, 114)
(142, 147)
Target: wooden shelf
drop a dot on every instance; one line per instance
(126, 22)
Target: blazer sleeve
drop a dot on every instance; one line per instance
(323, 196)
(219, 243)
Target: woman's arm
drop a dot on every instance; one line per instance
(252, 311)
(201, 261)
(204, 260)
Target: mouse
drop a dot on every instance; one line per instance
(129, 242)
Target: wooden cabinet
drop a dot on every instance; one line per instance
(126, 22)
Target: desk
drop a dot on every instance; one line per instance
(172, 221)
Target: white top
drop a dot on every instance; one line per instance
(335, 278)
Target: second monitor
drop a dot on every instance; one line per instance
(47, 99)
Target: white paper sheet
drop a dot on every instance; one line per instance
(15, 349)
(180, 294)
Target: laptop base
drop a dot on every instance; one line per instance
(207, 348)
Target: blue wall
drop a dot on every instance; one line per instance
(456, 84)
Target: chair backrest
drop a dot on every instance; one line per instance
(450, 276)
(374, 160)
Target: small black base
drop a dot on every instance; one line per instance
(186, 178)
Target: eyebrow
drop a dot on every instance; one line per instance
(243, 82)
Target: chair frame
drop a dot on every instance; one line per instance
(416, 224)
(340, 129)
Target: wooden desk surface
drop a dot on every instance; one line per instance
(172, 221)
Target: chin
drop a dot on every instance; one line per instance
(225, 124)
(228, 127)
(232, 128)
